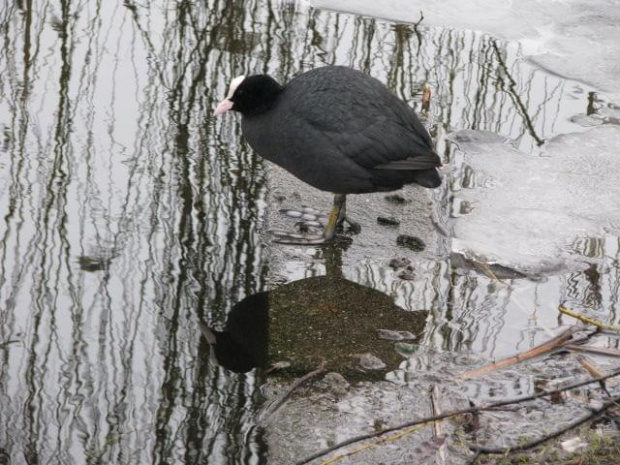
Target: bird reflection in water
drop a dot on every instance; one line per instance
(323, 318)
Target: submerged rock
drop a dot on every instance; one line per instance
(292, 329)
(369, 361)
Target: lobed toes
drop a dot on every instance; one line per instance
(306, 214)
(290, 212)
(310, 224)
(354, 227)
(287, 237)
(310, 210)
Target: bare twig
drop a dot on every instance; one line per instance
(266, 414)
(438, 425)
(417, 32)
(476, 409)
(364, 447)
(588, 320)
(419, 20)
(207, 332)
(537, 351)
(515, 95)
(426, 98)
(594, 370)
(438, 428)
(593, 350)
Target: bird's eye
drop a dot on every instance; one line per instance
(240, 92)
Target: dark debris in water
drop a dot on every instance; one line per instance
(388, 221)
(397, 199)
(408, 274)
(94, 263)
(411, 242)
(399, 262)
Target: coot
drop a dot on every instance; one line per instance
(336, 129)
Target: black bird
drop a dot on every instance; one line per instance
(336, 129)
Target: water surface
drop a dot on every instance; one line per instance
(127, 213)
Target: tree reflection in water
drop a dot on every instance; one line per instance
(125, 207)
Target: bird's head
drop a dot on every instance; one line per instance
(250, 95)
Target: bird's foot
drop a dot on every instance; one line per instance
(309, 218)
(318, 240)
(281, 236)
(316, 229)
(354, 226)
(312, 219)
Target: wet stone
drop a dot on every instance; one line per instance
(310, 210)
(411, 242)
(368, 361)
(291, 213)
(334, 383)
(392, 335)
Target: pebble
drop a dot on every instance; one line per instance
(368, 361)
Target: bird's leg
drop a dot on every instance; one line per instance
(354, 226)
(336, 217)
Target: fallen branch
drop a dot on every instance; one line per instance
(264, 415)
(385, 440)
(590, 366)
(593, 350)
(521, 447)
(438, 426)
(426, 98)
(476, 409)
(588, 320)
(594, 370)
(537, 351)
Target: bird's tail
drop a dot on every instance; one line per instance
(427, 178)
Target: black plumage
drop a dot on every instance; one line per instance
(336, 129)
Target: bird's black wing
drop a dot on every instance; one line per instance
(362, 119)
